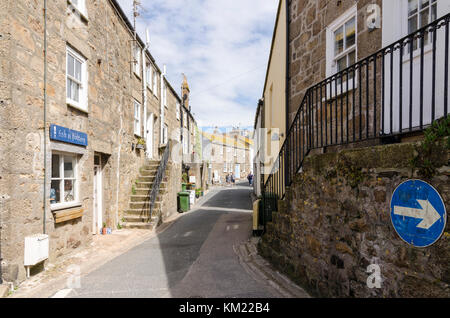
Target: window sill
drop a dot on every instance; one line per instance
(64, 206)
(83, 15)
(82, 109)
(137, 75)
(67, 215)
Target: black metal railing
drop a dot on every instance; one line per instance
(399, 89)
(160, 174)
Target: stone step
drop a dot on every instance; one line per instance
(143, 205)
(141, 184)
(144, 185)
(141, 212)
(149, 168)
(138, 219)
(142, 197)
(146, 179)
(147, 173)
(143, 191)
(138, 225)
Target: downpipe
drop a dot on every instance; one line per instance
(45, 118)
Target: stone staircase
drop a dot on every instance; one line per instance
(137, 216)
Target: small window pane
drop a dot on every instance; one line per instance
(433, 12)
(424, 3)
(77, 70)
(70, 65)
(55, 195)
(412, 7)
(412, 24)
(424, 18)
(342, 63)
(69, 193)
(351, 58)
(350, 34)
(55, 166)
(339, 40)
(75, 94)
(68, 167)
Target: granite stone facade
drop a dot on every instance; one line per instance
(104, 38)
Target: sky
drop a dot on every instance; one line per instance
(222, 46)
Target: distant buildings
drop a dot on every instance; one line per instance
(227, 153)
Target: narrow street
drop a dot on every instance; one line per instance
(193, 258)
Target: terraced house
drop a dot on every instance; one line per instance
(87, 120)
(364, 80)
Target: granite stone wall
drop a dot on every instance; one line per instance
(308, 21)
(104, 39)
(335, 222)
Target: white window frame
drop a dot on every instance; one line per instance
(331, 58)
(149, 75)
(405, 22)
(165, 134)
(80, 7)
(82, 104)
(155, 83)
(76, 179)
(137, 118)
(137, 60)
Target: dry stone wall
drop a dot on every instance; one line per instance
(335, 222)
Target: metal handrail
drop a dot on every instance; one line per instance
(319, 121)
(159, 177)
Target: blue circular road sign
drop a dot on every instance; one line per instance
(418, 213)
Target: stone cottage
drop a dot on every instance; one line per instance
(85, 117)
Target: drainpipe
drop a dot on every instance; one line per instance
(162, 105)
(45, 116)
(144, 82)
(287, 91)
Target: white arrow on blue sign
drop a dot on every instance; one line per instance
(418, 213)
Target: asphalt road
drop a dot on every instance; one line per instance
(193, 258)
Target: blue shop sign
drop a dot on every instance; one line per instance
(68, 135)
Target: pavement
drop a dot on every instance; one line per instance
(207, 252)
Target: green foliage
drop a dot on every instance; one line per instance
(133, 189)
(350, 171)
(141, 141)
(432, 151)
(184, 178)
(119, 227)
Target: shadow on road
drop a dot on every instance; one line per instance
(193, 257)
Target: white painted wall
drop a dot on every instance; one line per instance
(394, 28)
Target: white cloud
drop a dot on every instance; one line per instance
(221, 45)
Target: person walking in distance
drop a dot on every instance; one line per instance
(250, 179)
(233, 180)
